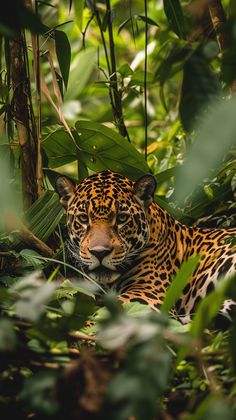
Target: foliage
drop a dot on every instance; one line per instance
(106, 84)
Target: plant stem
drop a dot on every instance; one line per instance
(113, 76)
(115, 95)
(145, 83)
(36, 52)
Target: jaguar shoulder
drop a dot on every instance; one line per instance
(124, 240)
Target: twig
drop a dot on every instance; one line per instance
(14, 223)
(27, 236)
(81, 336)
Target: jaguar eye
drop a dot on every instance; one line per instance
(122, 218)
(83, 218)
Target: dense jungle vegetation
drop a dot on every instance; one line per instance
(133, 86)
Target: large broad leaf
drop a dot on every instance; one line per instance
(103, 148)
(175, 16)
(215, 135)
(98, 147)
(200, 85)
(63, 51)
(60, 148)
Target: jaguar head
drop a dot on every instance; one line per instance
(107, 221)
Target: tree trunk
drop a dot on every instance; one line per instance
(20, 106)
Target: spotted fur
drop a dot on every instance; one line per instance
(123, 239)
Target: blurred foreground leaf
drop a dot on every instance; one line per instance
(215, 135)
(177, 285)
(195, 96)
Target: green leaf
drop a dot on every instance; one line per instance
(44, 215)
(103, 148)
(177, 285)
(214, 407)
(68, 289)
(63, 52)
(125, 70)
(175, 16)
(7, 335)
(60, 148)
(195, 96)
(78, 8)
(136, 309)
(123, 24)
(165, 175)
(212, 142)
(30, 259)
(148, 20)
(33, 293)
(34, 391)
(209, 307)
(81, 68)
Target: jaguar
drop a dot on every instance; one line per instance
(124, 240)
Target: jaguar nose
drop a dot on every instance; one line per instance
(100, 252)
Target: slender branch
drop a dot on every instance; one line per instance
(27, 236)
(14, 223)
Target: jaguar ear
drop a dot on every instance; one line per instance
(65, 187)
(144, 189)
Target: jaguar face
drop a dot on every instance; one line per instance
(107, 221)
